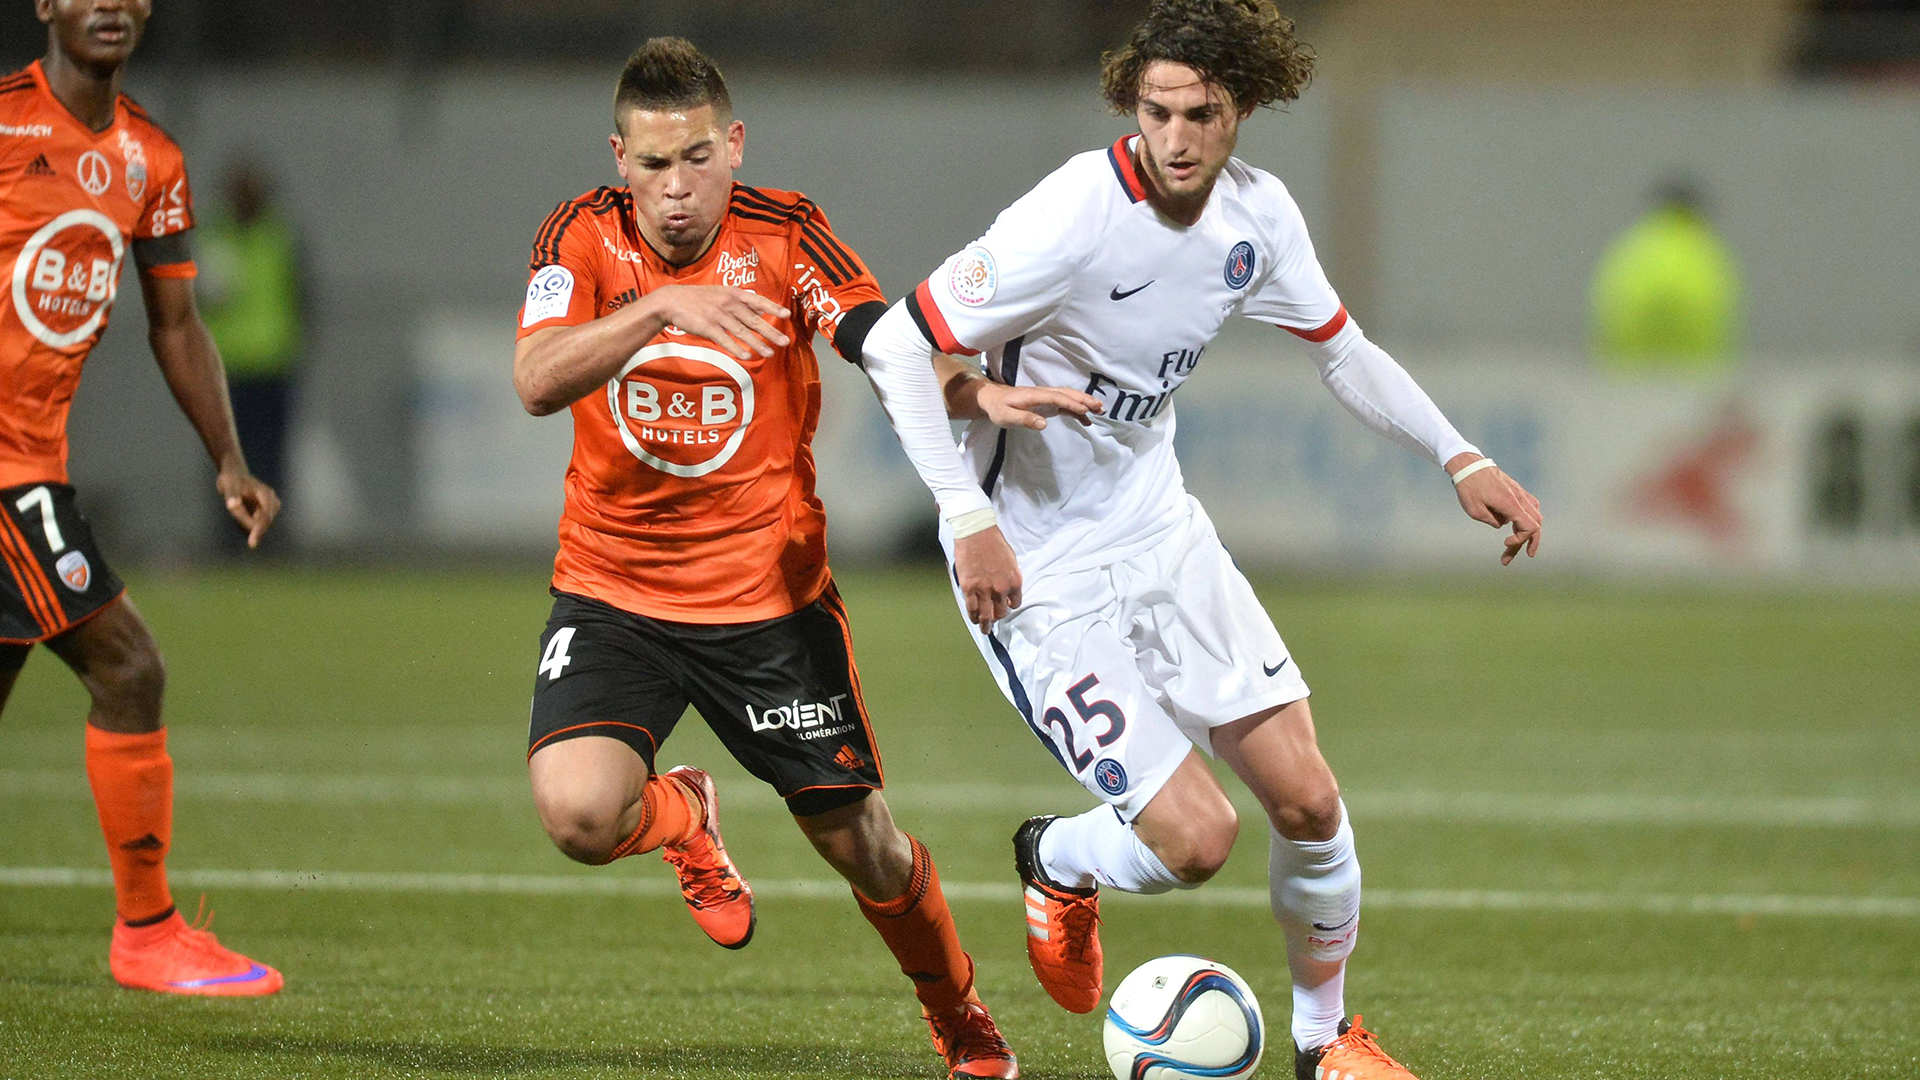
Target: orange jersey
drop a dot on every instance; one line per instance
(690, 493)
(73, 204)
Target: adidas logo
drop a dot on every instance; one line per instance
(148, 842)
(849, 760)
(39, 167)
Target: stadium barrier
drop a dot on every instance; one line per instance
(1806, 472)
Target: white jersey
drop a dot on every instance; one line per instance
(1083, 284)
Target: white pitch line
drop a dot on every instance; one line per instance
(1886, 907)
(1501, 808)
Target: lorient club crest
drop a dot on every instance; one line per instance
(1240, 265)
(75, 571)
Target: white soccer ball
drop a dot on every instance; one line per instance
(1181, 1016)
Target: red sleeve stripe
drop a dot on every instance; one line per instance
(926, 313)
(1121, 159)
(1324, 332)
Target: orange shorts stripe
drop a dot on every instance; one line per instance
(552, 735)
(838, 609)
(34, 586)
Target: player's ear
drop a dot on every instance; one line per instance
(736, 143)
(619, 153)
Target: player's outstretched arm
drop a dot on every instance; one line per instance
(971, 396)
(1491, 496)
(1380, 393)
(190, 362)
(557, 366)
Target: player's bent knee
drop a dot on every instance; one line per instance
(1316, 816)
(583, 831)
(132, 684)
(1202, 849)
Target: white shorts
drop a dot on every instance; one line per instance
(1119, 669)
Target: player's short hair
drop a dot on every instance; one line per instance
(1245, 47)
(670, 73)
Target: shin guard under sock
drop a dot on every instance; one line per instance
(918, 929)
(132, 781)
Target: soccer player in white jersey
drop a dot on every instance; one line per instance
(1125, 637)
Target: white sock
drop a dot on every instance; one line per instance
(1316, 896)
(1097, 847)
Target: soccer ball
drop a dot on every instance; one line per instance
(1179, 1016)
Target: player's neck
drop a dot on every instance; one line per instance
(88, 94)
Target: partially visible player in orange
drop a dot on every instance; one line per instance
(674, 316)
(87, 179)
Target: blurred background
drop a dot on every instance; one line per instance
(1659, 259)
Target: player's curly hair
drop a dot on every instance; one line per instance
(1245, 47)
(669, 73)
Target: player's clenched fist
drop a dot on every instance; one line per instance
(734, 319)
(988, 575)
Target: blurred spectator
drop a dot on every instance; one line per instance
(1666, 295)
(252, 294)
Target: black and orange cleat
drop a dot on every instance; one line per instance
(1063, 926)
(968, 1041)
(1354, 1055)
(716, 894)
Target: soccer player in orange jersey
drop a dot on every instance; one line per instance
(674, 315)
(86, 177)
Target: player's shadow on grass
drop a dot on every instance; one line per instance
(776, 1059)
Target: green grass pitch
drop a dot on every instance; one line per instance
(1604, 835)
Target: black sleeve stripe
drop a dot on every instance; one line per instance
(920, 320)
(851, 339)
(848, 264)
(546, 249)
(751, 215)
(760, 200)
(834, 275)
(824, 255)
(162, 250)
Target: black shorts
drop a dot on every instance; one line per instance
(782, 695)
(54, 577)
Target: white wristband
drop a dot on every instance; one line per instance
(1483, 463)
(973, 521)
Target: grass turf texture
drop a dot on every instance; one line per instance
(375, 723)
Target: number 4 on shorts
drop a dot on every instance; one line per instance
(554, 661)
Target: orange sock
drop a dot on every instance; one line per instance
(132, 780)
(670, 812)
(918, 927)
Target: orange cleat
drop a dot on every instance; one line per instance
(718, 897)
(1063, 927)
(1353, 1056)
(176, 958)
(971, 1045)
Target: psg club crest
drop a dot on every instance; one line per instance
(1240, 265)
(1111, 776)
(75, 571)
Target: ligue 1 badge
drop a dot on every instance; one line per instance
(1240, 265)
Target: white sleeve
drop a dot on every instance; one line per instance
(899, 361)
(1010, 280)
(1381, 393)
(1294, 294)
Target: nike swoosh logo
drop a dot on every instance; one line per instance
(1275, 670)
(1330, 929)
(252, 974)
(1116, 294)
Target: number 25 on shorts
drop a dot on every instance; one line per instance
(1116, 720)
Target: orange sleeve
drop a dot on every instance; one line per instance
(830, 281)
(563, 277)
(169, 205)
